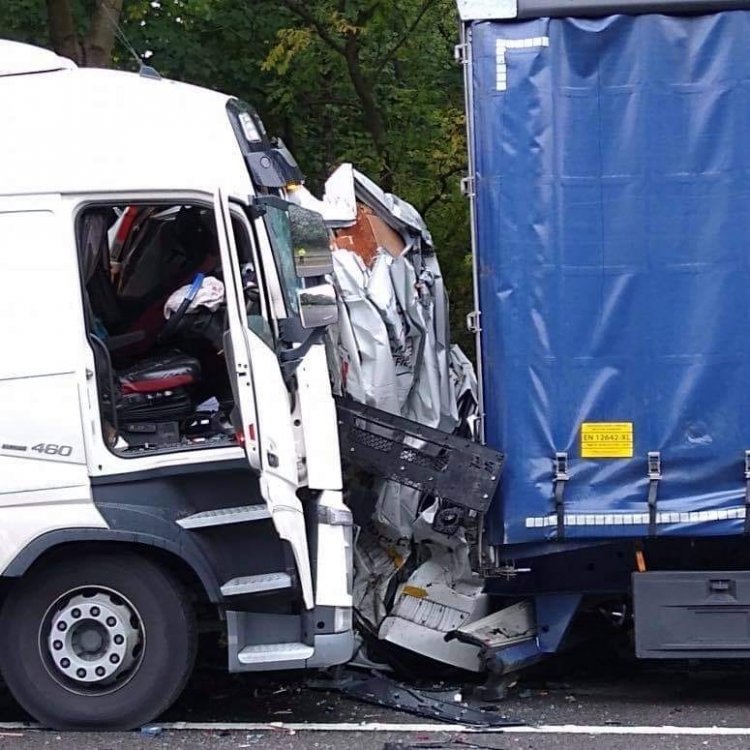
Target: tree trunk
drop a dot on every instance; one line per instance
(62, 30)
(95, 49)
(100, 39)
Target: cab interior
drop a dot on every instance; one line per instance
(155, 309)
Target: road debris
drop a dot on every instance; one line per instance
(444, 745)
(430, 704)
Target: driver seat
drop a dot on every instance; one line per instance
(165, 372)
(158, 388)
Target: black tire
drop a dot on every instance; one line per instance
(156, 679)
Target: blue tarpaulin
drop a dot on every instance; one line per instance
(612, 165)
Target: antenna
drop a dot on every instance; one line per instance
(144, 70)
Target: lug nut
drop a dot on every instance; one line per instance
(81, 673)
(114, 658)
(76, 613)
(100, 671)
(57, 645)
(64, 663)
(95, 611)
(119, 640)
(111, 622)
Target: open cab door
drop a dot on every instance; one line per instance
(263, 403)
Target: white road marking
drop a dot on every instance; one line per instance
(436, 728)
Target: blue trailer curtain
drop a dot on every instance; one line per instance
(612, 161)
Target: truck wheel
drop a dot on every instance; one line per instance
(101, 641)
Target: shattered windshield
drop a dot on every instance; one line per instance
(280, 232)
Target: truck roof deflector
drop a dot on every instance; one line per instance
(20, 59)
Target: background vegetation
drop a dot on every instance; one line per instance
(367, 81)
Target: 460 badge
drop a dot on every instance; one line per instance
(47, 449)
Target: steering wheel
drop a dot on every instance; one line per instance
(174, 320)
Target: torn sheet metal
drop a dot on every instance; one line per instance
(381, 293)
(441, 329)
(397, 509)
(442, 595)
(391, 352)
(370, 343)
(369, 236)
(428, 607)
(506, 627)
(465, 385)
(377, 560)
(392, 209)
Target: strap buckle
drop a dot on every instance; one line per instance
(654, 477)
(560, 467)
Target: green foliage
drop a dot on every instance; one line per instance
(24, 20)
(367, 81)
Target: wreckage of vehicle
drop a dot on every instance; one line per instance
(623, 500)
(418, 482)
(200, 346)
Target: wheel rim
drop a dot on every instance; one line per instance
(92, 640)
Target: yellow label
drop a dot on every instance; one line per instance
(607, 440)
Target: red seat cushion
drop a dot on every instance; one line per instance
(172, 370)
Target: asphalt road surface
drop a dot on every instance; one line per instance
(585, 700)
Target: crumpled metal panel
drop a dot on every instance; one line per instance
(374, 374)
(391, 352)
(612, 181)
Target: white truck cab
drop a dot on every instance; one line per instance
(168, 437)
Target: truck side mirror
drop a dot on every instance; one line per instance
(317, 306)
(311, 242)
(301, 242)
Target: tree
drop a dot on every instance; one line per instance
(376, 65)
(82, 30)
(91, 46)
(374, 82)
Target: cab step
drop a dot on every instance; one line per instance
(224, 516)
(276, 653)
(257, 584)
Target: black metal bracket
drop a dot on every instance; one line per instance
(290, 359)
(452, 468)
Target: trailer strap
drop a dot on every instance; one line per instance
(561, 477)
(747, 492)
(654, 477)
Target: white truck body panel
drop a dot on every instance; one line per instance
(95, 137)
(44, 481)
